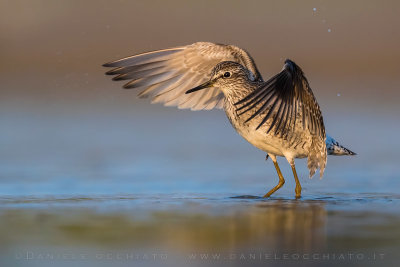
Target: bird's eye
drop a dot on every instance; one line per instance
(227, 74)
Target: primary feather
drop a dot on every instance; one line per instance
(165, 75)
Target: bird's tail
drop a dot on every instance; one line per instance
(317, 157)
(334, 148)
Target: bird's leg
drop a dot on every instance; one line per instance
(296, 178)
(281, 179)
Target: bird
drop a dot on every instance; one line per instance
(279, 116)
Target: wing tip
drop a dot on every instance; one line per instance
(143, 57)
(112, 72)
(128, 86)
(108, 64)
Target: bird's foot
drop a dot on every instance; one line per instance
(267, 195)
(298, 191)
(279, 185)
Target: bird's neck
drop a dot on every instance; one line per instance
(238, 92)
(235, 95)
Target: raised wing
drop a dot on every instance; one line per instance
(284, 97)
(165, 75)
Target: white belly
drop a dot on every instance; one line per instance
(259, 139)
(268, 142)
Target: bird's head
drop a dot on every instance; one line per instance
(227, 76)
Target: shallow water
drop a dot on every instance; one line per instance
(184, 189)
(92, 176)
(167, 229)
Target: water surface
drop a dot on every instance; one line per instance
(92, 176)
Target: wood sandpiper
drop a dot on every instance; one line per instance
(279, 116)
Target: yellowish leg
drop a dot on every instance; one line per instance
(281, 179)
(296, 178)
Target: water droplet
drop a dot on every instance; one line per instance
(314, 9)
(329, 30)
(338, 94)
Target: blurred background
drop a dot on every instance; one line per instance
(86, 166)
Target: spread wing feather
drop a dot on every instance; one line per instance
(281, 98)
(165, 75)
(280, 101)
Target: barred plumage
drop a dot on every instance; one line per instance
(280, 116)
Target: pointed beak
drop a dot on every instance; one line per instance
(201, 86)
